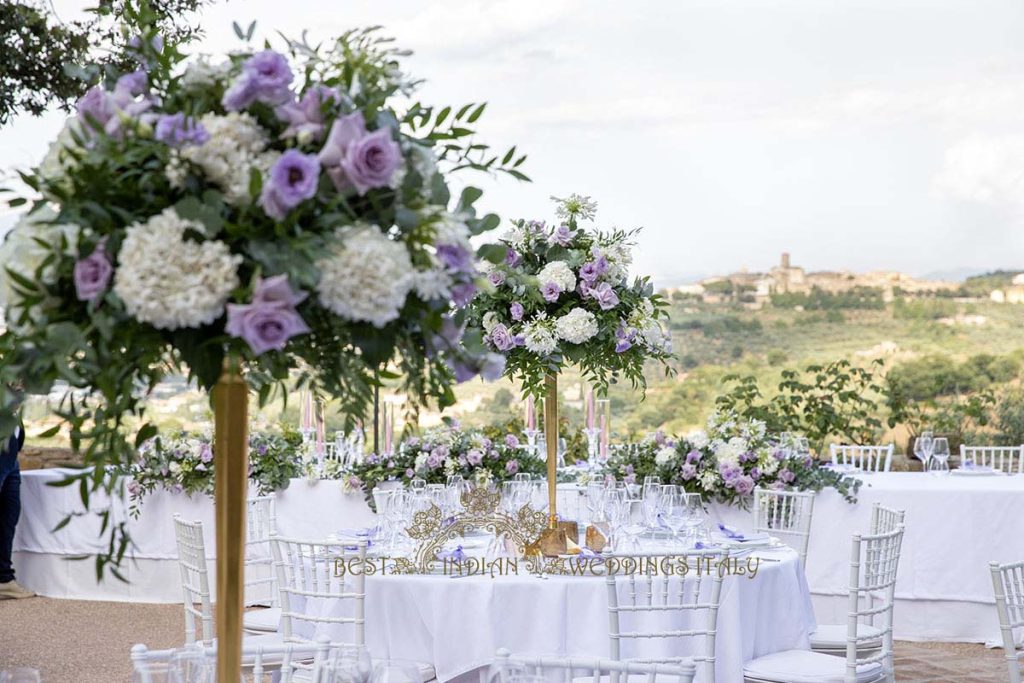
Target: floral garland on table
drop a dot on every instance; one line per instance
(562, 295)
(445, 451)
(726, 462)
(288, 209)
(182, 462)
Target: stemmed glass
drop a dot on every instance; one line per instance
(675, 513)
(695, 517)
(940, 456)
(923, 448)
(615, 505)
(595, 498)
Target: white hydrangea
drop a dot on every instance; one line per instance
(170, 282)
(708, 479)
(576, 326)
(560, 273)
(698, 438)
(539, 339)
(728, 452)
(421, 461)
(201, 74)
(489, 320)
(666, 456)
(235, 147)
(620, 257)
(20, 251)
(366, 276)
(433, 283)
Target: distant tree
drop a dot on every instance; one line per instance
(51, 62)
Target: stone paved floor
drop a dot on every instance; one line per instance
(75, 641)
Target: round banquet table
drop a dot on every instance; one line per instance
(458, 624)
(955, 526)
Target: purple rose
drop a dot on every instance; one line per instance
(496, 278)
(512, 258)
(434, 461)
(694, 456)
(688, 471)
(92, 273)
(95, 107)
(589, 272)
(519, 340)
(355, 157)
(178, 130)
(410, 473)
(743, 485)
(293, 178)
(474, 457)
(500, 338)
(265, 78)
(463, 293)
(755, 473)
(563, 236)
(132, 85)
(606, 297)
(778, 454)
(305, 118)
(512, 466)
(455, 257)
(729, 472)
(516, 311)
(550, 291)
(786, 476)
(271, 319)
(511, 441)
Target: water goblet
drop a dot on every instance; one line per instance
(940, 456)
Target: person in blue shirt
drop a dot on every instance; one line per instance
(10, 510)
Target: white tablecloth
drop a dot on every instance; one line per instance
(955, 526)
(458, 624)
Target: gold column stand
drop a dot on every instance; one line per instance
(231, 465)
(560, 537)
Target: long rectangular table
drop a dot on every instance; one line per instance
(955, 527)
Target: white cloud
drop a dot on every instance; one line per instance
(985, 169)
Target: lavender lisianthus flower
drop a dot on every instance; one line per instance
(455, 257)
(550, 291)
(512, 441)
(474, 457)
(492, 367)
(512, 258)
(132, 84)
(463, 371)
(96, 107)
(293, 178)
(563, 236)
(501, 338)
(687, 471)
(512, 466)
(372, 161)
(516, 311)
(178, 130)
(729, 472)
(271, 319)
(605, 296)
(496, 278)
(92, 273)
(305, 118)
(624, 337)
(410, 473)
(519, 340)
(265, 78)
(786, 476)
(743, 485)
(694, 456)
(277, 290)
(206, 452)
(589, 272)
(463, 293)
(434, 461)
(755, 473)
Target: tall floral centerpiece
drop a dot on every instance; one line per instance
(563, 295)
(242, 220)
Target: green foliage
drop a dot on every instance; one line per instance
(862, 298)
(836, 399)
(933, 376)
(982, 285)
(1009, 415)
(923, 309)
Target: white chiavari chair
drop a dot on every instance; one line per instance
(1008, 459)
(586, 670)
(281, 662)
(323, 590)
(640, 604)
(1008, 586)
(260, 577)
(195, 586)
(866, 458)
(884, 519)
(787, 514)
(868, 656)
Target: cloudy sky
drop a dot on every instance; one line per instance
(861, 134)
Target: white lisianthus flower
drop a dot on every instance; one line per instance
(698, 438)
(235, 147)
(201, 74)
(576, 326)
(666, 456)
(489, 320)
(366, 276)
(434, 283)
(170, 282)
(539, 339)
(560, 273)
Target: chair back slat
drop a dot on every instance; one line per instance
(195, 580)
(260, 577)
(278, 662)
(867, 458)
(308, 571)
(1007, 459)
(589, 670)
(640, 602)
(787, 514)
(1008, 586)
(885, 519)
(874, 561)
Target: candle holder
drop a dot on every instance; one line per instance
(531, 441)
(593, 444)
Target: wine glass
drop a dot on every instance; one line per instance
(675, 513)
(695, 517)
(615, 505)
(940, 454)
(396, 671)
(595, 493)
(923, 448)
